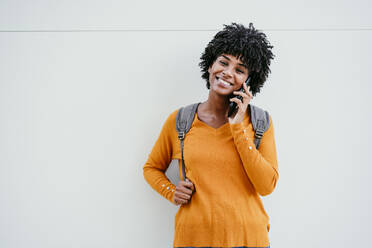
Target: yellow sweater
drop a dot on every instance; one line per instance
(228, 173)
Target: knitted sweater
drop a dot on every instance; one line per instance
(228, 174)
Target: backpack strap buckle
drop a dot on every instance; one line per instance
(181, 135)
(259, 133)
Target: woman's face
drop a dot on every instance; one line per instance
(227, 74)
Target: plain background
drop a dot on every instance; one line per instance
(85, 87)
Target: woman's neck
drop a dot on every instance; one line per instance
(217, 105)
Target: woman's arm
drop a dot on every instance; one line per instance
(160, 158)
(261, 165)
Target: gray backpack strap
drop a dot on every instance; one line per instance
(184, 119)
(260, 121)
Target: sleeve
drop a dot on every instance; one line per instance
(160, 158)
(260, 165)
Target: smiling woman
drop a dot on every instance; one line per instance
(227, 71)
(226, 171)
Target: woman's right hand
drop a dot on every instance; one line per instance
(183, 192)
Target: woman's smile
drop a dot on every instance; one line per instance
(223, 83)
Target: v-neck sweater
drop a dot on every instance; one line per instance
(229, 175)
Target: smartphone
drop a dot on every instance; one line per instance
(233, 105)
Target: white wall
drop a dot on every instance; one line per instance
(85, 87)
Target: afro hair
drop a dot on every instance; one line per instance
(247, 44)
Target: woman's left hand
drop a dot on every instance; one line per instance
(242, 106)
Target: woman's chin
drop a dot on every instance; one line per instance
(222, 92)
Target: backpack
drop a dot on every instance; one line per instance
(260, 120)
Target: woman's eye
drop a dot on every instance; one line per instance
(240, 71)
(222, 62)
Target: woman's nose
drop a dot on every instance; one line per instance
(228, 72)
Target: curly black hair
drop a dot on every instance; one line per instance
(247, 44)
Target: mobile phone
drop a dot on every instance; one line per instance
(233, 105)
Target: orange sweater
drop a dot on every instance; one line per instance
(228, 173)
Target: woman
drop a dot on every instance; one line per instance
(219, 201)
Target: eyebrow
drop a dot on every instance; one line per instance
(230, 60)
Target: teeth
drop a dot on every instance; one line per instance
(224, 82)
